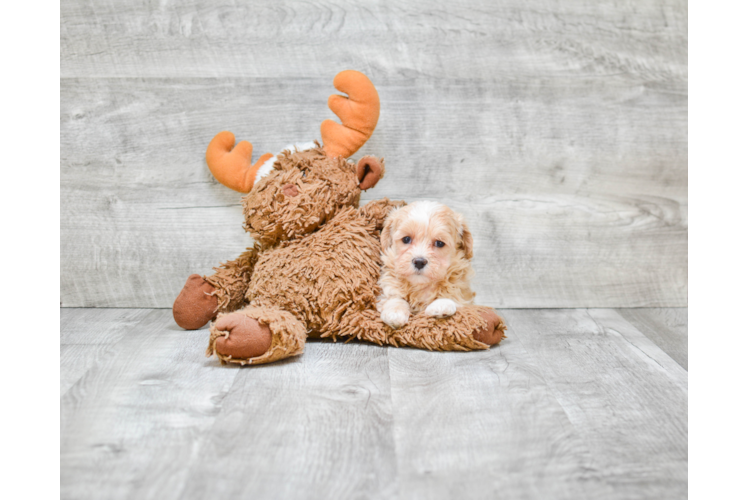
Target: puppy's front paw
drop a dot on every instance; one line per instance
(395, 313)
(441, 308)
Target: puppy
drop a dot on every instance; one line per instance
(426, 252)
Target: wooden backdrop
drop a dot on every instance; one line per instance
(558, 128)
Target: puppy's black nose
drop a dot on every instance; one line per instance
(420, 263)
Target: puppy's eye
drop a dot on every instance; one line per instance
(439, 244)
(406, 240)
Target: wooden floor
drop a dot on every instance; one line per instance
(575, 403)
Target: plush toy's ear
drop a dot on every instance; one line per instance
(368, 172)
(467, 239)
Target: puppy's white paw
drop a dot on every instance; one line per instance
(441, 308)
(395, 313)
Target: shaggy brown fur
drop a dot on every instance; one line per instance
(315, 268)
(288, 335)
(324, 186)
(314, 271)
(231, 279)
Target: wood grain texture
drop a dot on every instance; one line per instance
(626, 398)
(602, 224)
(573, 404)
(287, 38)
(559, 129)
(87, 337)
(666, 327)
(485, 425)
(130, 425)
(316, 426)
(157, 419)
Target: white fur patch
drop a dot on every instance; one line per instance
(418, 279)
(266, 168)
(423, 210)
(441, 308)
(300, 146)
(395, 312)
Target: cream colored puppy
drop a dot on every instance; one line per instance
(426, 252)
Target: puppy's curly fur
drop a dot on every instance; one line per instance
(426, 252)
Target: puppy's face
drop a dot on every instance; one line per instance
(423, 239)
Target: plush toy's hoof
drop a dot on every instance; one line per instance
(195, 305)
(247, 337)
(494, 330)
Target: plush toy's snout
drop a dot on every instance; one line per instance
(290, 190)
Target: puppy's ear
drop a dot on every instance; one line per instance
(388, 229)
(466, 239)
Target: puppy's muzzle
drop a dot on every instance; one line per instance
(419, 263)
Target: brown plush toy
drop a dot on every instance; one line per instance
(314, 268)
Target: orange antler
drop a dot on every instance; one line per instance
(233, 167)
(359, 113)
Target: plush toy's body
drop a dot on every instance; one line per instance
(316, 263)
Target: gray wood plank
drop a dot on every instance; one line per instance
(156, 419)
(573, 404)
(131, 424)
(485, 425)
(567, 208)
(666, 327)
(87, 335)
(318, 426)
(625, 397)
(287, 38)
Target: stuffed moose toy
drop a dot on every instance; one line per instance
(314, 268)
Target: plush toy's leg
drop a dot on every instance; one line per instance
(495, 329)
(471, 328)
(202, 298)
(196, 304)
(359, 324)
(256, 335)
